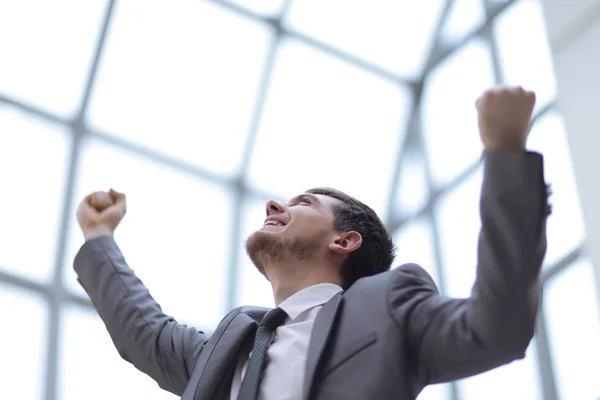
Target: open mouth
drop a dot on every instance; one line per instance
(274, 223)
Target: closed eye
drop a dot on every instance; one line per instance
(305, 200)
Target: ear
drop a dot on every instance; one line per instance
(345, 242)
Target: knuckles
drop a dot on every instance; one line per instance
(505, 98)
(506, 92)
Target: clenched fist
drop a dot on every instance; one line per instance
(503, 115)
(100, 213)
(101, 200)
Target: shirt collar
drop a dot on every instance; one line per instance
(307, 298)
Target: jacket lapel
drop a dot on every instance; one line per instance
(221, 352)
(319, 337)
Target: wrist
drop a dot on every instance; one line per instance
(508, 143)
(94, 233)
(505, 147)
(505, 150)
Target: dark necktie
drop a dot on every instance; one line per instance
(258, 358)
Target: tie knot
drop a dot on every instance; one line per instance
(274, 318)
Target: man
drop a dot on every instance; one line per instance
(345, 327)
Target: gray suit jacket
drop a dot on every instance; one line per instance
(386, 337)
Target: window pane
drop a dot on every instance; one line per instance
(573, 318)
(525, 56)
(175, 234)
(449, 115)
(413, 191)
(48, 63)
(189, 87)
(253, 288)
(414, 244)
(266, 8)
(436, 392)
(565, 226)
(89, 359)
(465, 16)
(327, 123)
(517, 380)
(23, 345)
(396, 35)
(33, 161)
(459, 225)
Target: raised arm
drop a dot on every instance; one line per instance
(152, 341)
(456, 338)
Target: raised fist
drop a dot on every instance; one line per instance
(100, 213)
(503, 115)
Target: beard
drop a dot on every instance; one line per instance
(267, 247)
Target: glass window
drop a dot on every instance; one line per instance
(412, 191)
(175, 235)
(524, 52)
(265, 8)
(24, 343)
(449, 114)
(253, 288)
(414, 244)
(396, 35)
(565, 227)
(88, 358)
(47, 50)
(182, 79)
(517, 380)
(459, 224)
(465, 16)
(327, 123)
(33, 165)
(436, 392)
(573, 321)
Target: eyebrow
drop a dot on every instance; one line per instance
(314, 198)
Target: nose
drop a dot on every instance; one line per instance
(274, 207)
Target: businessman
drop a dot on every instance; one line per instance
(345, 326)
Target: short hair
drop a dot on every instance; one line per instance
(377, 251)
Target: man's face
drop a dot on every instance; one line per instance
(298, 230)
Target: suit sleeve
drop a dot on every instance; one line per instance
(144, 336)
(456, 338)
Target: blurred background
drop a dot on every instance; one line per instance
(201, 111)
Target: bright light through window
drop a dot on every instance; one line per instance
(23, 344)
(327, 123)
(194, 66)
(574, 335)
(32, 178)
(449, 115)
(524, 52)
(396, 35)
(46, 49)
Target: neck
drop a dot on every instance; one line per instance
(288, 279)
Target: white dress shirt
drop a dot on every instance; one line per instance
(284, 375)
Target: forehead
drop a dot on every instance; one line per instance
(327, 200)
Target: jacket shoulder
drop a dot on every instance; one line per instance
(415, 273)
(256, 313)
(408, 273)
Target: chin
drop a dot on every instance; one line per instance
(261, 247)
(259, 239)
